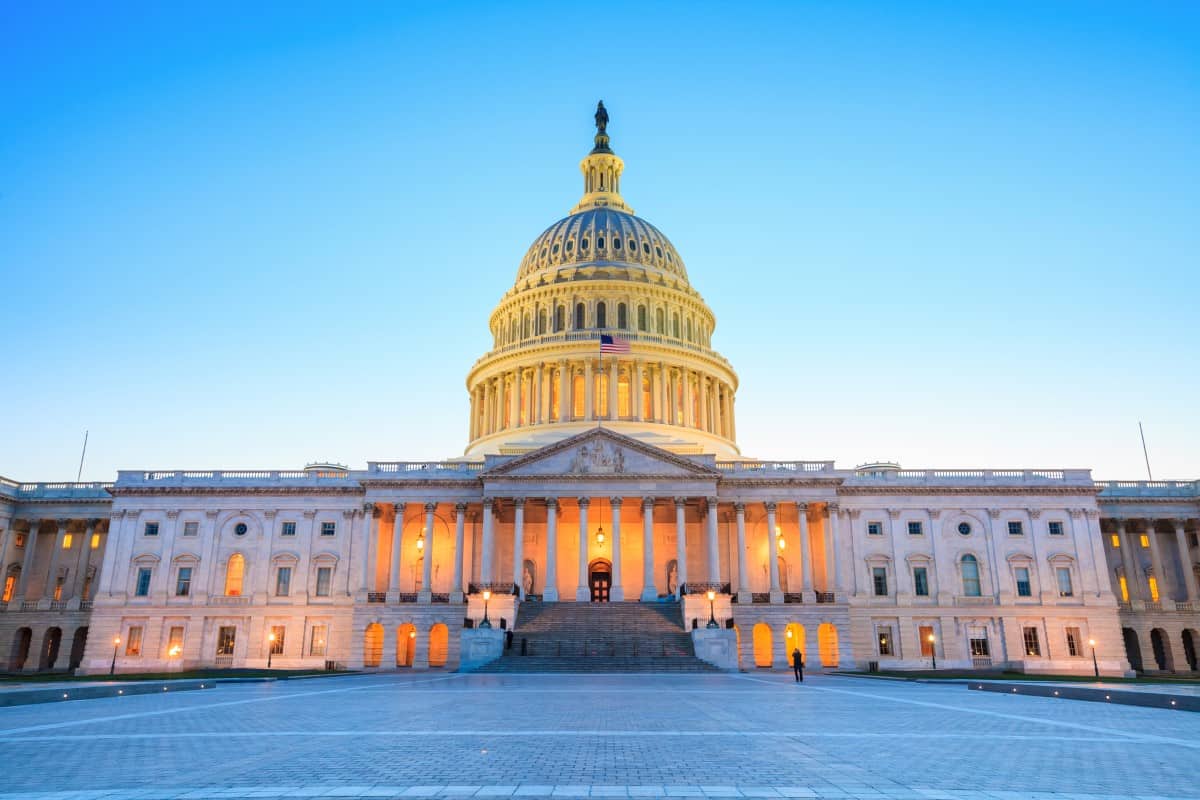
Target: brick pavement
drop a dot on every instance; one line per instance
(449, 736)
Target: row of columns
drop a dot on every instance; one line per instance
(545, 393)
(1139, 588)
(73, 588)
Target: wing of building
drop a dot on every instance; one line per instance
(604, 516)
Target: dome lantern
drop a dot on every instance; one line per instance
(602, 170)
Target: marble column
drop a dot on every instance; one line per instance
(582, 592)
(680, 544)
(22, 590)
(1185, 564)
(519, 545)
(460, 520)
(1133, 582)
(714, 564)
(589, 389)
(806, 574)
(614, 377)
(1160, 577)
(649, 589)
(55, 554)
(550, 589)
(660, 393)
(397, 552)
(82, 562)
(564, 394)
(838, 583)
(488, 558)
(773, 555)
(518, 377)
(426, 593)
(636, 394)
(689, 407)
(703, 381)
(743, 584)
(539, 416)
(617, 594)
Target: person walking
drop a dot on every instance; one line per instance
(798, 665)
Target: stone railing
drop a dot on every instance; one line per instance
(1189, 489)
(997, 477)
(826, 597)
(95, 490)
(229, 600)
(250, 477)
(376, 597)
(773, 467)
(423, 469)
(593, 336)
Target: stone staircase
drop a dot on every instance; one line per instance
(599, 637)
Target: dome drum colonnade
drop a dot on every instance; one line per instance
(602, 271)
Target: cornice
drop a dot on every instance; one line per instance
(1058, 491)
(265, 491)
(1131, 500)
(391, 483)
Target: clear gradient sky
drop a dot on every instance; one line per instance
(950, 234)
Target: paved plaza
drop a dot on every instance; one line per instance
(449, 735)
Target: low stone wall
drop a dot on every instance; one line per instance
(480, 646)
(717, 646)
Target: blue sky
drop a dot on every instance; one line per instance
(951, 234)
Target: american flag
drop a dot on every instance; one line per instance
(613, 345)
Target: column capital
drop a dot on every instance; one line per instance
(994, 513)
(894, 513)
(310, 514)
(430, 508)
(1034, 513)
(89, 524)
(460, 508)
(398, 508)
(584, 502)
(933, 513)
(854, 512)
(551, 503)
(1179, 523)
(801, 506)
(1150, 523)
(174, 513)
(648, 502)
(518, 502)
(616, 502)
(351, 513)
(369, 508)
(770, 507)
(680, 502)
(1076, 513)
(711, 501)
(739, 506)
(1120, 524)
(1092, 513)
(62, 523)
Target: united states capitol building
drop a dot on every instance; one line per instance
(604, 515)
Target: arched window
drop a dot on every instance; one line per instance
(641, 318)
(970, 576)
(675, 325)
(525, 327)
(622, 317)
(541, 326)
(689, 329)
(659, 321)
(560, 314)
(601, 316)
(234, 572)
(579, 316)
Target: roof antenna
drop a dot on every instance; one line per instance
(79, 474)
(1145, 453)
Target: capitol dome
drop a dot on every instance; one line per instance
(602, 273)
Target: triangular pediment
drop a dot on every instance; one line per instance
(601, 453)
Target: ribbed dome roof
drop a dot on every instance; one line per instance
(602, 236)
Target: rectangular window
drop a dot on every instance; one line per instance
(1024, 588)
(95, 541)
(175, 642)
(191, 528)
(879, 575)
(1153, 589)
(67, 540)
(133, 642)
(979, 647)
(288, 529)
(19, 540)
(1115, 541)
(323, 576)
(1015, 528)
(277, 644)
(152, 529)
(1074, 642)
(921, 581)
(1032, 648)
(283, 581)
(914, 529)
(874, 529)
(226, 637)
(1056, 528)
(1145, 541)
(143, 582)
(1124, 588)
(328, 528)
(884, 638)
(925, 632)
(1064, 581)
(316, 642)
(10, 584)
(183, 582)
(58, 587)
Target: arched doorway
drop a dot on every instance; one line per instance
(600, 580)
(793, 636)
(406, 644)
(78, 643)
(373, 645)
(1161, 645)
(51, 644)
(1189, 648)
(827, 644)
(762, 645)
(1133, 651)
(439, 645)
(20, 649)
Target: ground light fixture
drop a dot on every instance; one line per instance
(113, 666)
(712, 618)
(486, 623)
(270, 647)
(933, 648)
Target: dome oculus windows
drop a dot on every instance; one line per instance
(964, 528)
(240, 529)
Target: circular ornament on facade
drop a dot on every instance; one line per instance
(240, 529)
(964, 528)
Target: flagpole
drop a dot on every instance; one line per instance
(1145, 452)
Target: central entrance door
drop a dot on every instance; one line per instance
(600, 579)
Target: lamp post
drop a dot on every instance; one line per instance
(486, 623)
(270, 647)
(113, 666)
(712, 619)
(1095, 664)
(933, 648)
